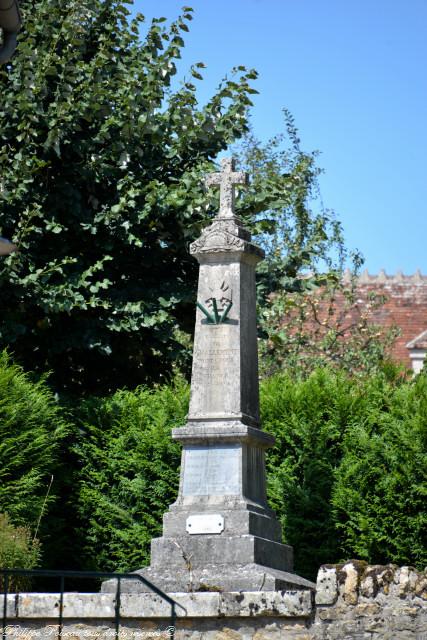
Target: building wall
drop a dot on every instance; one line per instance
(405, 307)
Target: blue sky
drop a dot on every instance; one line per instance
(353, 74)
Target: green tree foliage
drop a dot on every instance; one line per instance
(283, 209)
(329, 324)
(346, 477)
(18, 549)
(102, 158)
(101, 187)
(128, 473)
(31, 432)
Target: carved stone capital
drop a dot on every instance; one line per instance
(225, 236)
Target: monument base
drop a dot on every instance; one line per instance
(220, 534)
(213, 578)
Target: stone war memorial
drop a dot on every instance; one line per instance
(220, 533)
(221, 560)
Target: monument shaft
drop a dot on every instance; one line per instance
(224, 382)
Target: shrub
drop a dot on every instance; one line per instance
(333, 325)
(347, 476)
(129, 473)
(308, 418)
(18, 550)
(380, 489)
(31, 431)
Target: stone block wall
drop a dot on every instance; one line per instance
(353, 601)
(362, 602)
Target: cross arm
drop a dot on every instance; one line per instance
(240, 177)
(213, 179)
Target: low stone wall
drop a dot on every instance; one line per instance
(358, 601)
(353, 601)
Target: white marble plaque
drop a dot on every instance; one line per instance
(205, 523)
(211, 470)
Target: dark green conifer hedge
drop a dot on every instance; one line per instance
(128, 473)
(347, 476)
(348, 473)
(32, 428)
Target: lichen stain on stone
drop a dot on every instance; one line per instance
(360, 567)
(367, 609)
(186, 624)
(412, 612)
(253, 608)
(149, 626)
(268, 613)
(209, 588)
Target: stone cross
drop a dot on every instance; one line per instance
(226, 179)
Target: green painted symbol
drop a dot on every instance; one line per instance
(215, 318)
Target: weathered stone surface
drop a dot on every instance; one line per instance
(216, 549)
(374, 602)
(239, 519)
(368, 587)
(351, 584)
(226, 179)
(326, 586)
(421, 587)
(94, 606)
(224, 383)
(296, 604)
(407, 580)
(221, 578)
(250, 615)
